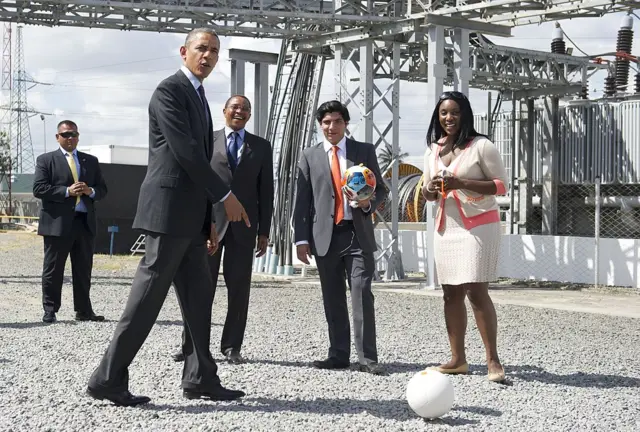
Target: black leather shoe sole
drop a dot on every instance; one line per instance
(217, 395)
(178, 357)
(89, 318)
(330, 364)
(374, 369)
(49, 319)
(119, 399)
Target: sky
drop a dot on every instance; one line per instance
(103, 79)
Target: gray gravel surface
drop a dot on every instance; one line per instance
(567, 371)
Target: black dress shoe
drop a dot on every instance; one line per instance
(49, 317)
(123, 398)
(218, 393)
(81, 316)
(373, 368)
(330, 363)
(234, 356)
(178, 357)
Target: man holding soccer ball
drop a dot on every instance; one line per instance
(334, 225)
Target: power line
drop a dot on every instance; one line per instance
(115, 64)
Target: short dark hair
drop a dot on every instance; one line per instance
(331, 107)
(467, 129)
(196, 31)
(68, 123)
(226, 104)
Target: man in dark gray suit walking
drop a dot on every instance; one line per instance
(174, 211)
(339, 236)
(244, 162)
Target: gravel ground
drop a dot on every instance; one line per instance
(582, 373)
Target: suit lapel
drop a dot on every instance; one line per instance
(195, 98)
(352, 153)
(246, 149)
(220, 145)
(211, 135)
(323, 162)
(66, 168)
(83, 166)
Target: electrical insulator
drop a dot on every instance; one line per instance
(625, 40)
(610, 86)
(584, 93)
(558, 45)
(638, 83)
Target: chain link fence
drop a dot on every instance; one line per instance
(589, 238)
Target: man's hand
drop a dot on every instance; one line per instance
(261, 247)
(212, 241)
(235, 211)
(78, 188)
(87, 190)
(364, 204)
(304, 253)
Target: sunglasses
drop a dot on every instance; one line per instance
(453, 95)
(70, 134)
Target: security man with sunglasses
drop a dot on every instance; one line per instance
(68, 182)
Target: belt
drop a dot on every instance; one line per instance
(344, 223)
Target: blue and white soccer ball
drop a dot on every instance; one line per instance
(359, 181)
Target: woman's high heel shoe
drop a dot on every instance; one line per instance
(497, 377)
(462, 369)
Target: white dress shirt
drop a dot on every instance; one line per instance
(195, 82)
(342, 159)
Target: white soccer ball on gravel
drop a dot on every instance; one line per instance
(430, 394)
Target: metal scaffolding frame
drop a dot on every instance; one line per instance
(377, 65)
(438, 42)
(278, 19)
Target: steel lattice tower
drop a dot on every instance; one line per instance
(20, 132)
(5, 89)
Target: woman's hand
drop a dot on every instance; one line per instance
(431, 189)
(451, 182)
(442, 185)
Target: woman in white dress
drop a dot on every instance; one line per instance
(463, 171)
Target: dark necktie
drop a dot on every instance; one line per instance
(202, 97)
(233, 150)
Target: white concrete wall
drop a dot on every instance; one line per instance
(125, 155)
(551, 258)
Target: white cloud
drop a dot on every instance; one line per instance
(103, 79)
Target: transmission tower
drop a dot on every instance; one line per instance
(20, 134)
(5, 89)
(18, 109)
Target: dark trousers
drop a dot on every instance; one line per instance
(78, 244)
(237, 267)
(182, 261)
(345, 259)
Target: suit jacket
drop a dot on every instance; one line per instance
(480, 160)
(315, 200)
(52, 177)
(252, 183)
(179, 185)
